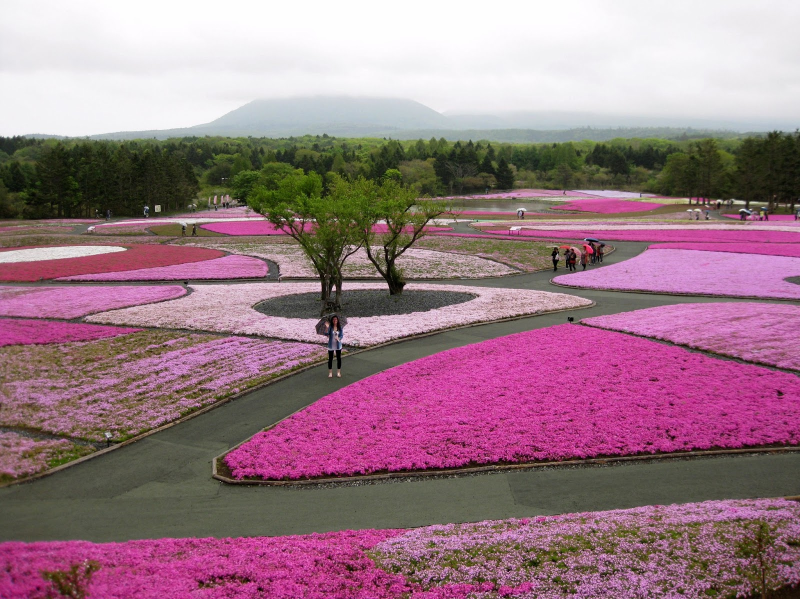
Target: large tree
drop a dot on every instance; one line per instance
(392, 219)
(326, 227)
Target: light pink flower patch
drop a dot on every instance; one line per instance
(695, 273)
(768, 249)
(223, 308)
(762, 333)
(251, 227)
(73, 302)
(607, 206)
(227, 267)
(535, 396)
(19, 331)
(772, 217)
(22, 456)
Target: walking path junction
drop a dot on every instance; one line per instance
(161, 486)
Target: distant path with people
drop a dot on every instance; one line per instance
(161, 486)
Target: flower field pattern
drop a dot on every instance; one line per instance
(74, 302)
(127, 385)
(451, 410)
(226, 309)
(134, 257)
(693, 272)
(227, 267)
(691, 550)
(56, 253)
(22, 456)
(761, 333)
(20, 331)
(607, 206)
(790, 250)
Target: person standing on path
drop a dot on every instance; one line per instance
(194, 229)
(594, 252)
(335, 333)
(556, 257)
(600, 251)
(572, 260)
(584, 259)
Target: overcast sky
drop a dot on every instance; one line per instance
(73, 67)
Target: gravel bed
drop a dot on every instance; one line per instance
(363, 303)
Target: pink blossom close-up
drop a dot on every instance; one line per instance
(227, 267)
(694, 272)
(19, 331)
(498, 402)
(754, 332)
(76, 301)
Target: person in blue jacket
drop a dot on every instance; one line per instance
(335, 333)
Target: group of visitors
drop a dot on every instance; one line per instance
(759, 214)
(592, 254)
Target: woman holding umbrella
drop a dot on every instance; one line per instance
(335, 332)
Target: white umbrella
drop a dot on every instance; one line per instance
(522, 209)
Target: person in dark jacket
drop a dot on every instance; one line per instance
(556, 257)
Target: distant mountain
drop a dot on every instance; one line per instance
(343, 116)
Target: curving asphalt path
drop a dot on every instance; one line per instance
(161, 486)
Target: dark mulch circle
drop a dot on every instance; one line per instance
(363, 302)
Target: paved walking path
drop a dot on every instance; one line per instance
(162, 485)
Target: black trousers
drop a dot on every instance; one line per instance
(338, 359)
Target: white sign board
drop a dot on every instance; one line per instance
(158, 207)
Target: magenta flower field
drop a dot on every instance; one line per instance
(495, 403)
(132, 257)
(693, 272)
(607, 206)
(18, 331)
(755, 332)
(665, 233)
(127, 385)
(691, 550)
(791, 250)
(227, 267)
(73, 302)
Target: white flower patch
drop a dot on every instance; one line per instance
(57, 253)
(230, 309)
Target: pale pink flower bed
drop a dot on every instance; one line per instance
(18, 331)
(690, 550)
(769, 249)
(227, 267)
(74, 302)
(417, 263)
(127, 385)
(517, 399)
(229, 308)
(761, 333)
(772, 217)
(695, 273)
(22, 456)
(607, 206)
(263, 227)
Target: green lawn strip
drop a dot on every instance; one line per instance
(528, 256)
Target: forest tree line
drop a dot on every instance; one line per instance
(74, 178)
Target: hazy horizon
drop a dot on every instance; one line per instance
(90, 67)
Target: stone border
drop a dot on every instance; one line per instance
(208, 408)
(489, 469)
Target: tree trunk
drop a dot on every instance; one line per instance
(394, 280)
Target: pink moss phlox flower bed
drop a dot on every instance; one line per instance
(227, 267)
(19, 331)
(74, 302)
(134, 257)
(494, 403)
(333, 565)
(22, 456)
(525, 193)
(691, 550)
(263, 227)
(693, 272)
(223, 308)
(791, 250)
(654, 233)
(762, 333)
(127, 385)
(607, 206)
